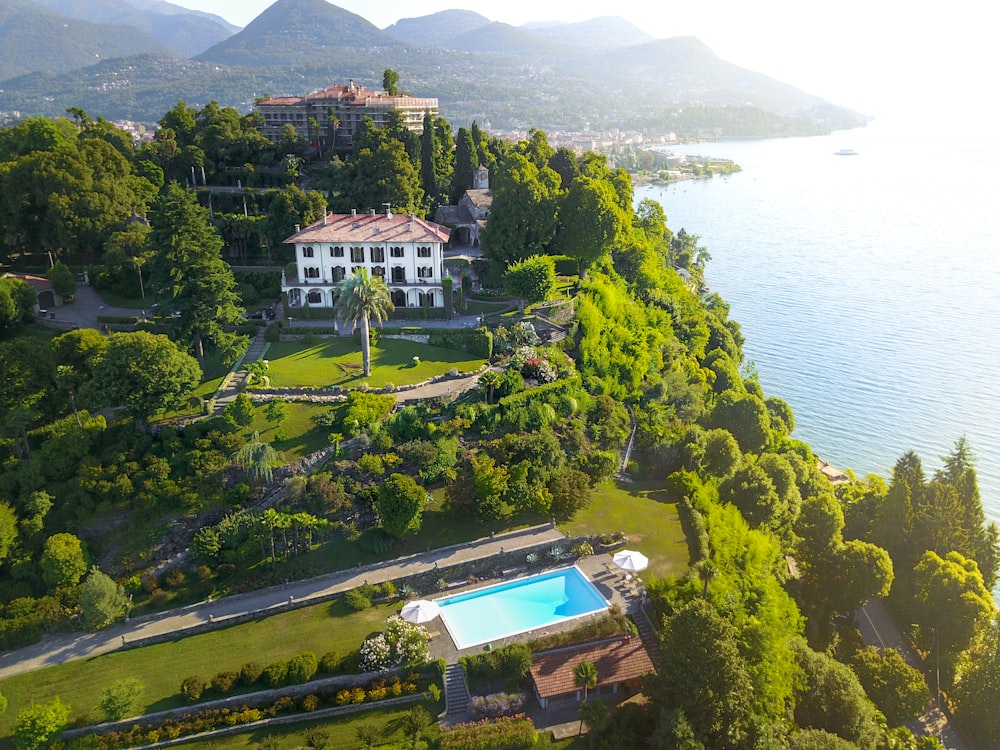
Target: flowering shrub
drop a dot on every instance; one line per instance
(401, 643)
(521, 356)
(508, 731)
(498, 704)
(539, 369)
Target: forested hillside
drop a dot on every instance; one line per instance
(99, 484)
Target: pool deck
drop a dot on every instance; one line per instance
(562, 719)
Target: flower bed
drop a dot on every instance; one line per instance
(210, 719)
(507, 732)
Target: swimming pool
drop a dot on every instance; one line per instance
(495, 612)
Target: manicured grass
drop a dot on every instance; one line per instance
(337, 362)
(301, 435)
(342, 731)
(113, 299)
(647, 514)
(329, 626)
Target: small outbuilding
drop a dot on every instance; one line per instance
(620, 665)
(45, 294)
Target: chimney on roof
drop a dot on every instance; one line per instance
(388, 210)
(371, 211)
(324, 216)
(354, 212)
(298, 228)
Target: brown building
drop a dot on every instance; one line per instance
(337, 113)
(620, 664)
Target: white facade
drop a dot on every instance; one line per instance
(405, 251)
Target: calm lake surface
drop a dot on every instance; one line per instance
(867, 287)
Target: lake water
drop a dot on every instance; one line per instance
(867, 287)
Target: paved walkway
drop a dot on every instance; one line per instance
(59, 648)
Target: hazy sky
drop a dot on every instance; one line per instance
(879, 56)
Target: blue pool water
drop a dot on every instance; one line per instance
(495, 612)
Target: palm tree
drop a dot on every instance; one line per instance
(369, 733)
(415, 722)
(707, 572)
(585, 676)
(595, 715)
(361, 298)
(488, 381)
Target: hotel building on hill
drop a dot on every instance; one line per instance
(349, 104)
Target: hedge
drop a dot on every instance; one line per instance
(477, 342)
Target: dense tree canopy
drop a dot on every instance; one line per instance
(145, 372)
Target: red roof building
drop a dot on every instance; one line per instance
(620, 664)
(346, 106)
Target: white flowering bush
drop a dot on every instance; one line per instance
(401, 644)
(521, 355)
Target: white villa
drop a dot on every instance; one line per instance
(406, 251)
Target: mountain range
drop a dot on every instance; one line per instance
(134, 59)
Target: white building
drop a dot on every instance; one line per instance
(405, 251)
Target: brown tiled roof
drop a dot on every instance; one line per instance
(40, 283)
(616, 661)
(349, 228)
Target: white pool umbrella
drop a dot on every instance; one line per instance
(420, 611)
(630, 560)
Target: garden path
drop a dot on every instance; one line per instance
(56, 648)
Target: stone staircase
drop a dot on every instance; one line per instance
(236, 380)
(645, 628)
(456, 694)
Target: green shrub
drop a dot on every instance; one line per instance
(192, 688)
(274, 674)
(376, 541)
(302, 667)
(250, 673)
(356, 600)
(478, 342)
(329, 663)
(223, 682)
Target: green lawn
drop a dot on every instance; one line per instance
(337, 362)
(330, 626)
(647, 514)
(301, 435)
(342, 731)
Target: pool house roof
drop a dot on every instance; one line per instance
(617, 661)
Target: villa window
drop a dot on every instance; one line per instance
(307, 252)
(397, 252)
(378, 255)
(357, 255)
(378, 271)
(336, 252)
(315, 297)
(398, 275)
(425, 272)
(339, 273)
(312, 272)
(356, 269)
(423, 252)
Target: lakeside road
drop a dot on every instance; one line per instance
(879, 629)
(59, 648)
